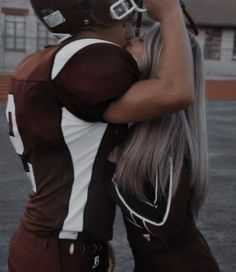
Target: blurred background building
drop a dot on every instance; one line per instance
(216, 20)
(22, 34)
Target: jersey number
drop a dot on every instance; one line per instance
(16, 138)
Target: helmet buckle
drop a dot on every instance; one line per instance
(54, 18)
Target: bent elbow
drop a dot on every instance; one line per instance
(180, 100)
(188, 98)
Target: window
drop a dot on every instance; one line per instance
(44, 37)
(15, 32)
(234, 48)
(213, 44)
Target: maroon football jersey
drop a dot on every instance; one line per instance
(55, 114)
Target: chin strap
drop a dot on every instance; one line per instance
(139, 20)
(190, 19)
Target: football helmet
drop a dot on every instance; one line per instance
(70, 16)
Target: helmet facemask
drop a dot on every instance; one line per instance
(123, 8)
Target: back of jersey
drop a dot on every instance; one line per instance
(55, 111)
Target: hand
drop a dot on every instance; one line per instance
(111, 257)
(159, 9)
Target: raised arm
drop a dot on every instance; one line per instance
(172, 89)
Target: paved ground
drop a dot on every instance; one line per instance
(218, 217)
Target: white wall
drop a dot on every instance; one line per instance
(10, 59)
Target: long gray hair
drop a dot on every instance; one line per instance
(182, 135)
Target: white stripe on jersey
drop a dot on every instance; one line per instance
(31, 177)
(83, 140)
(69, 50)
(16, 139)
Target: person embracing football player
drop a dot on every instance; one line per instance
(69, 106)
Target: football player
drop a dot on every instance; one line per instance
(69, 106)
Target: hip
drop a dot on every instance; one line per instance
(187, 251)
(29, 252)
